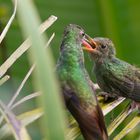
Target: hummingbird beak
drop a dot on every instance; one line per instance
(88, 43)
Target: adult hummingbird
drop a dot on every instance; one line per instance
(113, 75)
(76, 85)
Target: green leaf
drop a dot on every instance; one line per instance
(4, 79)
(108, 107)
(119, 119)
(129, 127)
(25, 119)
(18, 130)
(54, 120)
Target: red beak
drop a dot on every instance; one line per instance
(88, 43)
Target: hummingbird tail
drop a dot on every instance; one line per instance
(91, 123)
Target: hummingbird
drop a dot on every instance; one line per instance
(114, 76)
(76, 85)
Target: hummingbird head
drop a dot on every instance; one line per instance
(73, 39)
(75, 35)
(101, 48)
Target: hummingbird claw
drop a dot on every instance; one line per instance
(107, 96)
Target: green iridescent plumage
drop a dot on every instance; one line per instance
(77, 87)
(113, 75)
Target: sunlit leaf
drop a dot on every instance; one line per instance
(24, 46)
(129, 127)
(18, 130)
(118, 120)
(4, 32)
(25, 119)
(4, 79)
(108, 107)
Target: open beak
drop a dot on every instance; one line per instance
(88, 43)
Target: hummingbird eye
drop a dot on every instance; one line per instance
(103, 46)
(82, 33)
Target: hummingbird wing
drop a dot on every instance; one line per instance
(91, 123)
(122, 85)
(137, 72)
(119, 80)
(136, 92)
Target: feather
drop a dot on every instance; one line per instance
(90, 123)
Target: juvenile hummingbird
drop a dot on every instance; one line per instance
(113, 75)
(76, 85)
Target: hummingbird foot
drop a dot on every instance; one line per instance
(107, 96)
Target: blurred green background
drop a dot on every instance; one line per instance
(119, 20)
